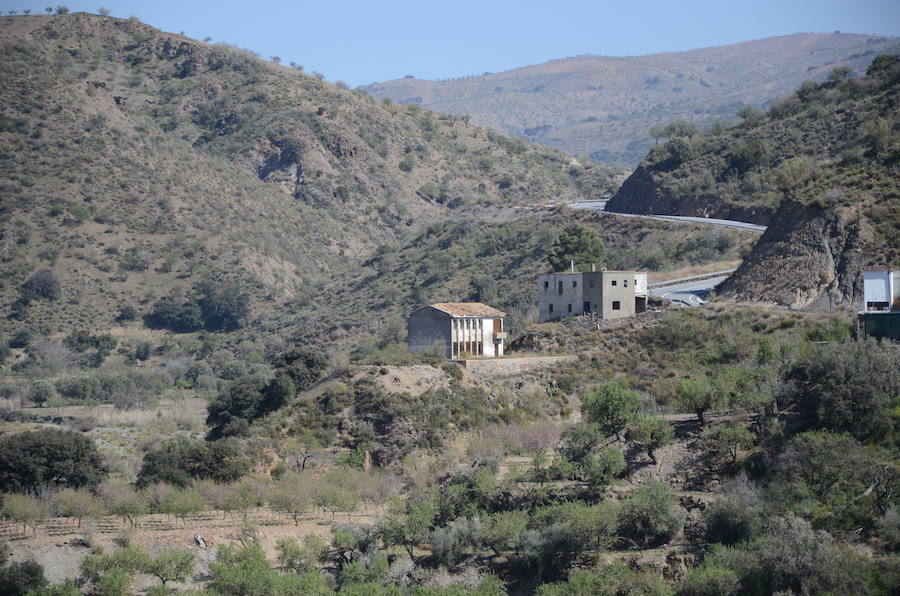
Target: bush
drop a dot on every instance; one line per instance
(43, 284)
(31, 461)
(21, 577)
(732, 519)
(650, 515)
(179, 461)
(850, 385)
(709, 580)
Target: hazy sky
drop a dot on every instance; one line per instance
(366, 41)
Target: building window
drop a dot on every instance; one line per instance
(625, 283)
(617, 305)
(546, 285)
(574, 284)
(613, 282)
(549, 308)
(570, 307)
(559, 288)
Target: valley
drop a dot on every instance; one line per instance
(206, 264)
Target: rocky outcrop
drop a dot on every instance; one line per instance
(641, 194)
(810, 258)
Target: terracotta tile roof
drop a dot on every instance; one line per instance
(468, 309)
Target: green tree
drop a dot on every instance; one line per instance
(223, 305)
(292, 497)
(182, 502)
(850, 385)
(30, 461)
(650, 515)
(650, 433)
(793, 174)
(170, 565)
(698, 397)
(612, 407)
(79, 503)
(179, 461)
(125, 502)
(501, 531)
(727, 440)
(300, 558)
(28, 510)
(412, 526)
(579, 244)
(22, 577)
(613, 579)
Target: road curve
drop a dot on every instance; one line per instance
(724, 223)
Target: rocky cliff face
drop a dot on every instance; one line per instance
(642, 194)
(809, 258)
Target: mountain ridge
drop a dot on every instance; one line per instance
(605, 107)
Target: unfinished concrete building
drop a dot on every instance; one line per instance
(456, 329)
(607, 294)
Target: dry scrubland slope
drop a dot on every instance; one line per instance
(604, 106)
(135, 162)
(820, 166)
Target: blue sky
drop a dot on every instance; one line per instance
(363, 42)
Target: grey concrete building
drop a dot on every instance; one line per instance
(607, 294)
(456, 329)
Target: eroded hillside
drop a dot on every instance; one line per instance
(820, 167)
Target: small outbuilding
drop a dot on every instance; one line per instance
(456, 329)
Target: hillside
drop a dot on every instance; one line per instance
(491, 255)
(820, 167)
(604, 106)
(137, 163)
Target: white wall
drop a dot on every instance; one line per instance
(878, 286)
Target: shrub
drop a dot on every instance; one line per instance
(179, 461)
(650, 515)
(709, 580)
(49, 457)
(43, 284)
(22, 577)
(850, 385)
(732, 519)
(611, 407)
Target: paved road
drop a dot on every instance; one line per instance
(724, 223)
(689, 293)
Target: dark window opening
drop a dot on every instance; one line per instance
(625, 283)
(559, 288)
(546, 285)
(587, 307)
(613, 282)
(570, 307)
(550, 308)
(574, 284)
(617, 305)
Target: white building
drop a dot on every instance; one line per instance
(458, 329)
(881, 290)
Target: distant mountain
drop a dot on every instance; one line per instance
(604, 106)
